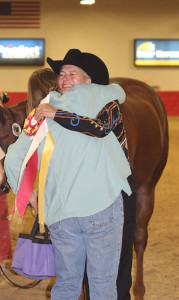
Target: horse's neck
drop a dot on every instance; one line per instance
(19, 112)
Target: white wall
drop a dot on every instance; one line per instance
(106, 29)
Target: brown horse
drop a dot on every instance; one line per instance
(147, 133)
(146, 127)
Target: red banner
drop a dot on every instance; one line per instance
(171, 102)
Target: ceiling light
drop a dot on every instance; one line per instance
(87, 2)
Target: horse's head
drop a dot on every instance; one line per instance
(6, 135)
(11, 123)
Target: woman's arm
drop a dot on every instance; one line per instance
(2, 154)
(106, 121)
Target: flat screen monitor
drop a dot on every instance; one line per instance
(156, 52)
(22, 52)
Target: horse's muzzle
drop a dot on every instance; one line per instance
(4, 188)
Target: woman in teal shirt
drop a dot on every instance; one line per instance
(87, 217)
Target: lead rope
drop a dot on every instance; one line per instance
(28, 286)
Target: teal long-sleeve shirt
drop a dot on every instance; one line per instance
(85, 174)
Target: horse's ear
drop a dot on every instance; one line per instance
(5, 98)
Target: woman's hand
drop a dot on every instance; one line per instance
(45, 110)
(33, 200)
(1, 173)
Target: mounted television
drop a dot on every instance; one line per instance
(22, 52)
(156, 52)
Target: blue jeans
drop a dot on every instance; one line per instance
(95, 239)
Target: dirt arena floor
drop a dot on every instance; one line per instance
(161, 261)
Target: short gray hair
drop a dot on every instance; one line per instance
(85, 75)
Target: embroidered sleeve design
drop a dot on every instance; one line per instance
(93, 127)
(109, 114)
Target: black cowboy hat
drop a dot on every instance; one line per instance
(90, 63)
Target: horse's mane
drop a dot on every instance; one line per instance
(2, 113)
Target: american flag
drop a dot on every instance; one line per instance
(20, 14)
